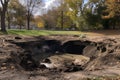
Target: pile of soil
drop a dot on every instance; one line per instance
(29, 57)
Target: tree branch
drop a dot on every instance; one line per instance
(2, 2)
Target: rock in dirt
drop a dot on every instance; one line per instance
(66, 62)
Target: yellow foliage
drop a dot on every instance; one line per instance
(39, 22)
(113, 9)
(72, 14)
(73, 11)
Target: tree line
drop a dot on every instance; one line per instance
(68, 15)
(84, 15)
(17, 13)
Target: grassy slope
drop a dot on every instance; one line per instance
(51, 32)
(42, 32)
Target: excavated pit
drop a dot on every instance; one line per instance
(29, 57)
(35, 52)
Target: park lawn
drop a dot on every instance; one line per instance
(43, 32)
(54, 32)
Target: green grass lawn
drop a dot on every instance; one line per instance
(54, 32)
(42, 32)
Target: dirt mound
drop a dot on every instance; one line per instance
(104, 53)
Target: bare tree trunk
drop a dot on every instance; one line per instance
(28, 23)
(20, 27)
(3, 26)
(62, 23)
(9, 24)
(8, 20)
(28, 20)
(3, 12)
(113, 23)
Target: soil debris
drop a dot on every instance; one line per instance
(47, 58)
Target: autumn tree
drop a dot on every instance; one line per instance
(3, 11)
(83, 14)
(39, 22)
(112, 12)
(8, 18)
(76, 10)
(50, 19)
(31, 6)
(19, 14)
(15, 14)
(92, 14)
(95, 14)
(63, 20)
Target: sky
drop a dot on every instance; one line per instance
(52, 3)
(48, 4)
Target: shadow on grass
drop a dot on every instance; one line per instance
(5, 33)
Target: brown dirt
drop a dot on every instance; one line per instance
(20, 57)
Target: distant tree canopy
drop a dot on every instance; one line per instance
(68, 15)
(82, 14)
(14, 12)
(112, 13)
(31, 6)
(39, 22)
